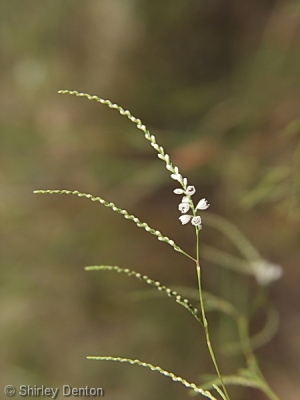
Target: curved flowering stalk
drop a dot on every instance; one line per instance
(174, 378)
(171, 293)
(125, 213)
(151, 138)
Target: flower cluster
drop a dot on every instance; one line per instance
(187, 203)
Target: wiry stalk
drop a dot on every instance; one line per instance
(125, 214)
(174, 378)
(204, 320)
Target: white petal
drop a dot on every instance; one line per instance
(176, 177)
(184, 219)
(202, 205)
(184, 207)
(185, 199)
(178, 191)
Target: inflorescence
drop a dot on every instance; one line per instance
(187, 203)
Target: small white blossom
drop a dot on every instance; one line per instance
(178, 191)
(184, 207)
(185, 199)
(184, 219)
(202, 205)
(176, 177)
(196, 221)
(190, 190)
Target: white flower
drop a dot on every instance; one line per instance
(184, 219)
(196, 221)
(266, 272)
(184, 207)
(176, 177)
(202, 205)
(178, 191)
(190, 190)
(185, 199)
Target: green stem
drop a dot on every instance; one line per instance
(205, 323)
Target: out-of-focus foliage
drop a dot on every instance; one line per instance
(218, 83)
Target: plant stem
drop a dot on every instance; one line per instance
(205, 323)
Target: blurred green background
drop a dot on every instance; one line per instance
(218, 83)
